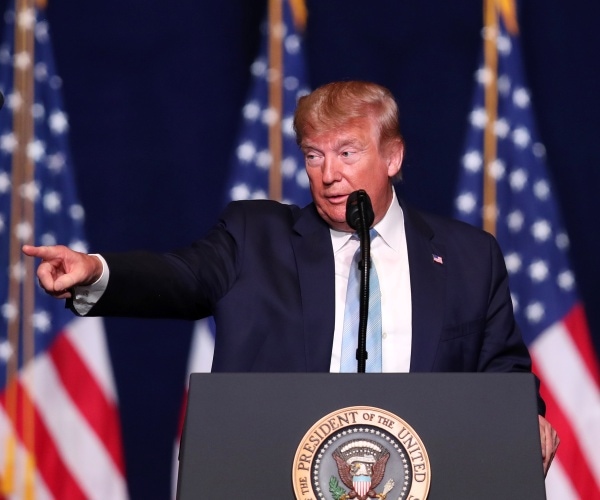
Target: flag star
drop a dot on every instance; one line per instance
(10, 311)
(292, 44)
(264, 159)
(504, 44)
(562, 240)
(287, 127)
(515, 221)
(483, 76)
(497, 169)
(518, 179)
(478, 118)
(472, 161)
(56, 162)
(55, 82)
(8, 142)
(23, 231)
(6, 350)
(76, 212)
(18, 272)
(466, 202)
(38, 111)
(36, 150)
(289, 166)
(291, 83)
(566, 280)
(14, 101)
(30, 191)
(504, 84)
(538, 271)
(541, 230)
(259, 67)
(521, 137)
(52, 202)
(48, 239)
(521, 97)
(501, 128)
(302, 178)
(270, 116)
(535, 312)
(251, 111)
(41, 31)
(26, 18)
(539, 150)
(4, 182)
(239, 192)
(541, 189)
(40, 71)
(79, 246)
(5, 55)
(41, 321)
(22, 60)
(58, 122)
(513, 262)
(259, 194)
(246, 152)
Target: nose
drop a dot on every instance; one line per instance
(330, 170)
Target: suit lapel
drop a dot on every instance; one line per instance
(316, 271)
(428, 285)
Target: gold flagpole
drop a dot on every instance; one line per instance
(21, 278)
(275, 80)
(492, 10)
(491, 107)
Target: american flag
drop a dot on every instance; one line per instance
(253, 156)
(59, 424)
(529, 229)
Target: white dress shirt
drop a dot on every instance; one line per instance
(390, 257)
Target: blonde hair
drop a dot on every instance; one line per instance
(336, 104)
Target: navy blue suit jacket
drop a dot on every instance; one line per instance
(266, 273)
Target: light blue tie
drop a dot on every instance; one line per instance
(352, 315)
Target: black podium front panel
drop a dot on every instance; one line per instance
(480, 430)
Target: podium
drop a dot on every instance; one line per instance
(480, 431)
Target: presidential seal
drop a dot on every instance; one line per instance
(359, 453)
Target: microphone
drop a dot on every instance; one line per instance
(360, 216)
(359, 211)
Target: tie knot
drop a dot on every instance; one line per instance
(372, 233)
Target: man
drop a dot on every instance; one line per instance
(274, 276)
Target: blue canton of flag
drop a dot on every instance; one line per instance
(535, 245)
(253, 159)
(59, 425)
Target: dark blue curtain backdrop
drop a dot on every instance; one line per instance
(153, 89)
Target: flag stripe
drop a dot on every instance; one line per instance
(86, 335)
(50, 465)
(78, 382)
(81, 450)
(576, 325)
(558, 484)
(582, 477)
(555, 347)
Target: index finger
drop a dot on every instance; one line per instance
(43, 252)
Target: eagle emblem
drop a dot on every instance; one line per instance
(361, 467)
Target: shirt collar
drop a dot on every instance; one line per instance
(390, 228)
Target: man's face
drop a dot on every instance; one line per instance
(344, 160)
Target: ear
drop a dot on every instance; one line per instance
(395, 157)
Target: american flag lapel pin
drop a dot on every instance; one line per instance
(437, 259)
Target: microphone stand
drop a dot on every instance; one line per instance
(360, 216)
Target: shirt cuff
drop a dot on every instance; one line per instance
(86, 296)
